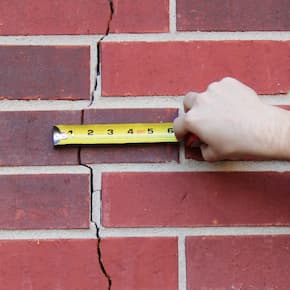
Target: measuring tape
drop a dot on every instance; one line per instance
(113, 133)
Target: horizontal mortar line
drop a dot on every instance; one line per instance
(140, 232)
(41, 105)
(188, 36)
(50, 40)
(201, 231)
(15, 170)
(116, 102)
(138, 102)
(48, 234)
(195, 166)
(170, 101)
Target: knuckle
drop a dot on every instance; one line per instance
(228, 80)
(190, 120)
(213, 86)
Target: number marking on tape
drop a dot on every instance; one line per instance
(113, 133)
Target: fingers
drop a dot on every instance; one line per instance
(208, 153)
(189, 101)
(179, 128)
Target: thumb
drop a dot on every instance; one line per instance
(209, 154)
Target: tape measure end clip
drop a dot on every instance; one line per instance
(57, 135)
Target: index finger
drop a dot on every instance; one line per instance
(179, 128)
(189, 100)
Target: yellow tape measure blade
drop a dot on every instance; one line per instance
(113, 133)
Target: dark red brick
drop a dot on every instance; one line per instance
(141, 263)
(174, 68)
(228, 15)
(195, 152)
(44, 72)
(195, 199)
(140, 16)
(41, 17)
(129, 153)
(44, 201)
(26, 138)
(238, 262)
(50, 264)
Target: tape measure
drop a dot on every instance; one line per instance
(113, 133)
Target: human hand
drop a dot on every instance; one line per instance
(232, 122)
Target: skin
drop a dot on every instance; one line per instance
(232, 123)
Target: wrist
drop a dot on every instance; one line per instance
(278, 146)
(283, 131)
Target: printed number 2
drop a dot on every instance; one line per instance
(90, 132)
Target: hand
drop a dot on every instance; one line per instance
(232, 122)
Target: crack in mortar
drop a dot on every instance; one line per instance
(99, 239)
(111, 3)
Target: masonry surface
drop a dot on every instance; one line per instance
(135, 217)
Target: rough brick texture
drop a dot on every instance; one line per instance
(46, 201)
(253, 262)
(130, 153)
(45, 72)
(174, 68)
(195, 199)
(26, 138)
(229, 15)
(141, 263)
(42, 17)
(140, 16)
(50, 264)
(74, 264)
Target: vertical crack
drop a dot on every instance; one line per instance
(99, 239)
(98, 70)
(111, 3)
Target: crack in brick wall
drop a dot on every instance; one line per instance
(111, 3)
(99, 239)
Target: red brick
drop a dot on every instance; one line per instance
(238, 262)
(26, 138)
(141, 263)
(50, 264)
(174, 68)
(44, 201)
(195, 199)
(140, 16)
(195, 152)
(130, 153)
(45, 72)
(228, 15)
(41, 17)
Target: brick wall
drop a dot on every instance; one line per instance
(136, 217)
